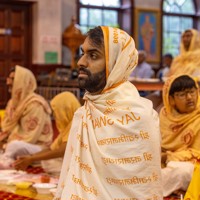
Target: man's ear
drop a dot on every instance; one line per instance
(172, 101)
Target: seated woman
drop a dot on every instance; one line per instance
(179, 125)
(64, 105)
(26, 126)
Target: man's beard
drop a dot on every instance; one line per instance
(9, 88)
(94, 82)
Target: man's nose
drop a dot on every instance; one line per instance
(188, 95)
(82, 62)
(8, 81)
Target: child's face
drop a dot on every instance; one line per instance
(184, 101)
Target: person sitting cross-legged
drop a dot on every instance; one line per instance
(26, 127)
(179, 125)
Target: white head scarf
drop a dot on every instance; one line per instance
(121, 55)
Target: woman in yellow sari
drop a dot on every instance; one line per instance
(179, 125)
(187, 62)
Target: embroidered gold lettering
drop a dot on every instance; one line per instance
(128, 117)
(147, 156)
(110, 102)
(87, 189)
(102, 121)
(76, 197)
(82, 165)
(88, 114)
(144, 135)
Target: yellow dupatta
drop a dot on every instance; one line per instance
(105, 153)
(64, 105)
(187, 62)
(180, 132)
(193, 192)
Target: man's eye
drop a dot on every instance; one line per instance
(93, 56)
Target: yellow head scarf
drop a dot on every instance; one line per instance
(187, 62)
(64, 105)
(180, 132)
(194, 44)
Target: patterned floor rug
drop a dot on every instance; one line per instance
(11, 196)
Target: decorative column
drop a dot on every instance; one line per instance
(73, 38)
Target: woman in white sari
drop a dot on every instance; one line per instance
(113, 151)
(26, 127)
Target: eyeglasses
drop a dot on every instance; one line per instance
(184, 94)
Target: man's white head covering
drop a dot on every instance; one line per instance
(121, 56)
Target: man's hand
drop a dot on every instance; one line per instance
(22, 163)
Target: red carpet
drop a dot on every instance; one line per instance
(35, 170)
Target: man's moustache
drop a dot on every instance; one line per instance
(84, 70)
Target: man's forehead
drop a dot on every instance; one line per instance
(89, 45)
(12, 74)
(186, 89)
(187, 33)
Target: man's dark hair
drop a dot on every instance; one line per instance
(187, 30)
(168, 55)
(96, 36)
(181, 83)
(12, 69)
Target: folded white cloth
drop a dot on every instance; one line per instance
(176, 176)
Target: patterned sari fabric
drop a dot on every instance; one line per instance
(27, 115)
(113, 150)
(180, 138)
(188, 62)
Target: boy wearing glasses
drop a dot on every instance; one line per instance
(180, 130)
